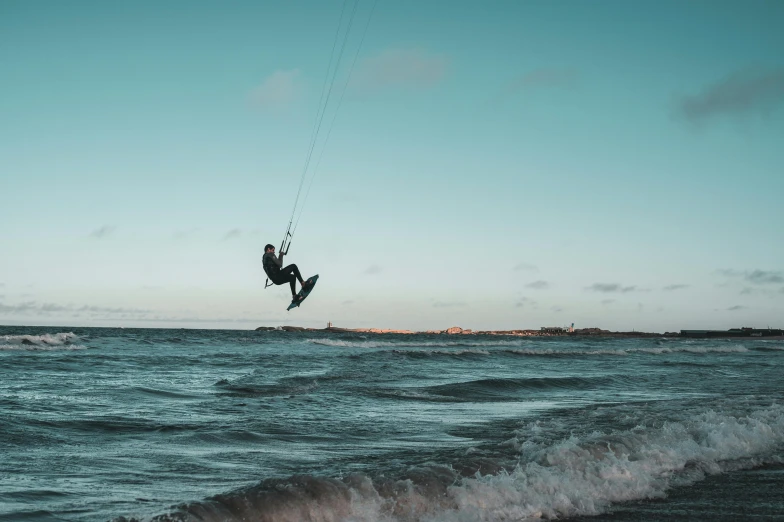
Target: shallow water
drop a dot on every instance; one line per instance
(99, 424)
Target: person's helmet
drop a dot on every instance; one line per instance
(268, 247)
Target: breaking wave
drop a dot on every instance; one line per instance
(572, 476)
(518, 347)
(410, 344)
(56, 341)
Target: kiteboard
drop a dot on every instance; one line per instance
(304, 292)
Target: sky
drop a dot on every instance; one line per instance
(488, 165)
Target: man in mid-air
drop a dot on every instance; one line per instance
(280, 276)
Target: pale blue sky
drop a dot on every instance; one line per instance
(493, 164)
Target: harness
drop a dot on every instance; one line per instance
(271, 269)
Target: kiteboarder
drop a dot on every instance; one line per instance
(280, 276)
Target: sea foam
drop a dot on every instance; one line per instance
(58, 341)
(578, 475)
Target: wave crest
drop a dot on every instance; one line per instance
(572, 477)
(65, 340)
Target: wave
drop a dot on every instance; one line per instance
(66, 340)
(574, 476)
(527, 347)
(550, 352)
(494, 388)
(769, 348)
(285, 387)
(410, 344)
(630, 351)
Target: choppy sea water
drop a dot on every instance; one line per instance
(113, 424)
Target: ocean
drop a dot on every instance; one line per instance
(218, 425)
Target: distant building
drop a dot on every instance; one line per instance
(553, 329)
(558, 329)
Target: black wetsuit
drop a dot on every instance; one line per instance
(280, 276)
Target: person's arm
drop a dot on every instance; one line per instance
(278, 260)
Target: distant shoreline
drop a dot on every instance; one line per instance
(584, 332)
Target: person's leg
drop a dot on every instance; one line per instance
(292, 269)
(293, 283)
(287, 277)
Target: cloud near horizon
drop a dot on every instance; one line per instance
(759, 277)
(33, 307)
(522, 302)
(403, 68)
(117, 313)
(102, 232)
(538, 285)
(612, 287)
(670, 288)
(741, 93)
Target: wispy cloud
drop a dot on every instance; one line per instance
(102, 232)
(373, 270)
(528, 267)
(767, 292)
(759, 277)
(556, 309)
(279, 90)
(183, 234)
(542, 78)
(606, 302)
(33, 307)
(735, 308)
(401, 68)
(347, 302)
(211, 320)
(670, 288)
(231, 234)
(538, 285)
(449, 304)
(762, 277)
(22, 308)
(741, 93)
(612, 287)
(523, 301)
